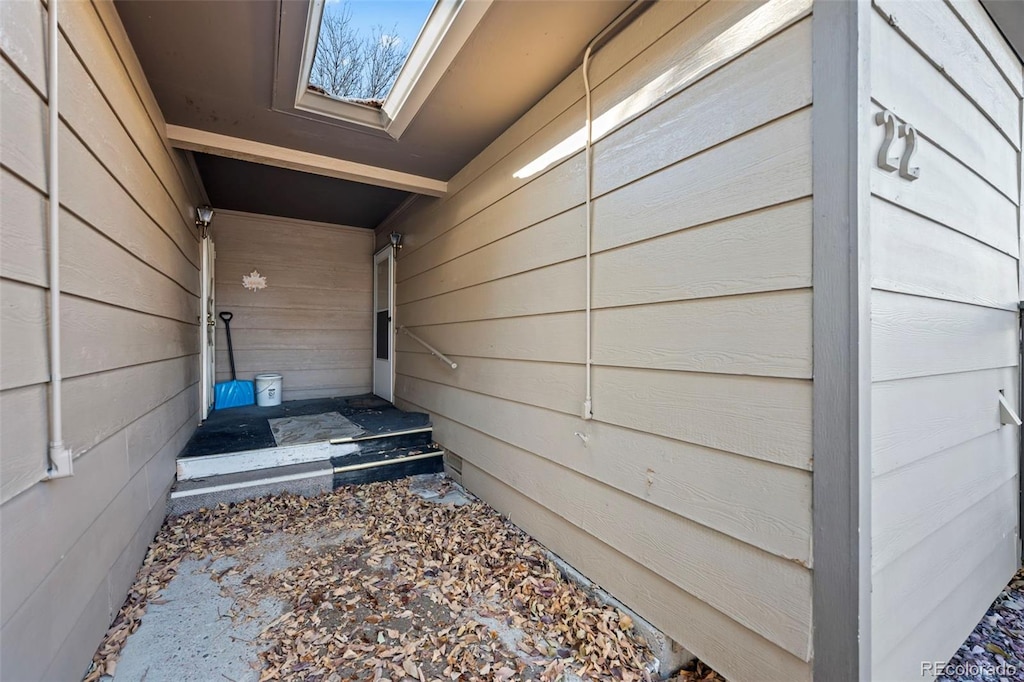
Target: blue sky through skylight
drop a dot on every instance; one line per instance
(407, 15)
(363, 44)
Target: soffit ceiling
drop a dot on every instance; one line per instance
(211, 65)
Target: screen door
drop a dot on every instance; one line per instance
(383, 323)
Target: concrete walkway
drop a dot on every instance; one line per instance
(408, 580)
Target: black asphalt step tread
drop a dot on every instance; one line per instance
(363, 458)
(390, 472)
(386, 443)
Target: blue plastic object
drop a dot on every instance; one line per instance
(233, 394)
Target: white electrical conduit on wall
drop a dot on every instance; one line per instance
(59, 457)
(588, 402)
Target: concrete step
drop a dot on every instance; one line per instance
(205, 466)
(304, 478)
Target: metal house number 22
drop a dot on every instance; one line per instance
(892, 163)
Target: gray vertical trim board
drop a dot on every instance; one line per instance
(841, 310)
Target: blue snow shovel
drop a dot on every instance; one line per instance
(232, 393)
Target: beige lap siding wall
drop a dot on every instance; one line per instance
(69, 549)
(944, 266)
(690, 498)
(312, 323)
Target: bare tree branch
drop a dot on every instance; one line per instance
(350, 66)
(385, 55)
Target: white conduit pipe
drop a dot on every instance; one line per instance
(59, 456)
(588, 402)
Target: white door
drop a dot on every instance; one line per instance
(208, 327)
(383, 324)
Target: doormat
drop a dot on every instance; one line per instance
(313, 428)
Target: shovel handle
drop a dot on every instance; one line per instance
(226, 316)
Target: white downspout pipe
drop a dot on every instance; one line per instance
(59, 456)
(588, 401)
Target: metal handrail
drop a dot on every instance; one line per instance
(433, 351)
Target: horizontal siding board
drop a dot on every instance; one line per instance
(904, 592)
(533, 130)
(97, 337)
(917, 500)
(617, 159)
(949, 193)
(493, 276)
(108, 69)
(23, 335)
(992, 41)
(129, 265)
(543, 338)
(762, 335)
(557, 239)
(102, 203)
(958, 126)
(150, 433)
(295, 339)
(914, 336)
(757, 87)
(29, 555)
(23, 239)
(23, 440)
(23, 39)
(912, 419)
(765, 250)
(667, 64)
(301, 379)
(761, 503)
(126, 394)
(939, 34)
(21, 136)
(87, 188)
(353, 301)
(312, 323)
(69, 587)
(88, 114)
(292, 359)
(765, 418)
(708, 633)
(94, 267)
(555, 386)
(913, 255)
(161, 467)
(279, 273)
(555, 289)
(765, 593)
(939, 635)
(126, 53)
(278, 319)
(767, 166)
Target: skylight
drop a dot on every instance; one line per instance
(362, 46)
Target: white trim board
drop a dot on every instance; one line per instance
(190, 468)
(204, 141)
(238, 485)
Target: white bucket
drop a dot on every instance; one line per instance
(268, 390)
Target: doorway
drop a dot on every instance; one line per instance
(383, 323)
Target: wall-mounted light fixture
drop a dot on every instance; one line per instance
(396, 242)
(204, 214)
